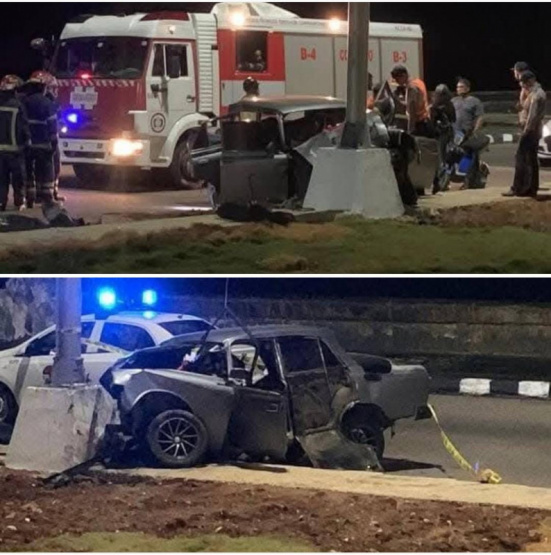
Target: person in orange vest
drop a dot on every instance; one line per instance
(413, 102)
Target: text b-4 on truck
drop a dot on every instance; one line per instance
(135, 89)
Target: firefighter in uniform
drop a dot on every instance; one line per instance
(14, 138)
(42, 114)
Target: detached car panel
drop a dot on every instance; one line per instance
(261, 392)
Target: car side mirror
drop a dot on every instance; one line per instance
(174, 67)
(156, 88)
(39, 44)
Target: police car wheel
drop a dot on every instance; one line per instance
(181, 168)
(8, 406)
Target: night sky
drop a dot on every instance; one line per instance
(477, 40)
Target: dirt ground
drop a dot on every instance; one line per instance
(327, 520)
(526, 213)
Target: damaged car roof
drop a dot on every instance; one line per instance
(234, 334)
(288, 103)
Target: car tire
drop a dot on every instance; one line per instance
(181, 168)
(8, 406)
(177, 439)
(369, 435)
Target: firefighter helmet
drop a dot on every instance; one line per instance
(251, 86)
(10, 83)
(42, 77)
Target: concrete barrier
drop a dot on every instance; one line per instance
(356, 181)
(58, 428)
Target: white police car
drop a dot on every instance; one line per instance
(104, 342)
(544, 148)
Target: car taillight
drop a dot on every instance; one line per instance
(47, 374)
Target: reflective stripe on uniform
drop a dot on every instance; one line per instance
(13, 129)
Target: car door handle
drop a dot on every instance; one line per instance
(273, 408)
(190, 98)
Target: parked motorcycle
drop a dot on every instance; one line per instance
(458, 163)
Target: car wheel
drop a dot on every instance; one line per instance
(8, 406)
(181, 168)
(177, 439)
(372, 436)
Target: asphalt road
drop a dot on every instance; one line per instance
(152, 200)
(508, 435)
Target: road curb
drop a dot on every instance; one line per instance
(503, 138)
(486, 387)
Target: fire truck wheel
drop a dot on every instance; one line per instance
(181, 168)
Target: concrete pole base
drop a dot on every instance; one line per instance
(356, 181)
(58, 428)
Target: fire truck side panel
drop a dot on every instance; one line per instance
(272, 81)
(403, 51)
(309, 65)
(341, 64)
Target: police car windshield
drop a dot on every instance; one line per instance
(107, 58)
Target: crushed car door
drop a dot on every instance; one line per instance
(258, 425)
(311, 399)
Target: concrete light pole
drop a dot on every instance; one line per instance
(355, 130)
(355, 178)
(68, 368)
(61, 425)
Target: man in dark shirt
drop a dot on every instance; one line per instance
(469, 119)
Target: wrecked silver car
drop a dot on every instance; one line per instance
(263, 151)
(270, 392)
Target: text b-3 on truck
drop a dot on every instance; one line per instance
(134, 90)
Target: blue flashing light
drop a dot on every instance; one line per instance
(72, 117)
(149, 314)
(107, 298)
(149, 297)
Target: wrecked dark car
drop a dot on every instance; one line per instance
(263, 151)
(273, 391)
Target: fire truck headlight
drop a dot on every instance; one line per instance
(64, 130)
(124, 148)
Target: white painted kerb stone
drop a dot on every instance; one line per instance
(474, 386)
(357, 181)
(534, 389)
(58, 428)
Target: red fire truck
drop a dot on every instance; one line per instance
(134, 89)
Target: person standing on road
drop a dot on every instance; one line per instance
(526, 181)
(14, 139)
(469, 119)
(413, 103)
(42, 114)
(518, 69)
(442, 116)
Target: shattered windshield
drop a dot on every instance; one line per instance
(110, 57)
(208, 359)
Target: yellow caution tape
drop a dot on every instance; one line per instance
(485, 475)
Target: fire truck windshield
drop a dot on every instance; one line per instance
(101, 57)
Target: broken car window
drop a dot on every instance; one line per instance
(300, 354)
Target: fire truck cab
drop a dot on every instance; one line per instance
(135, 89)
